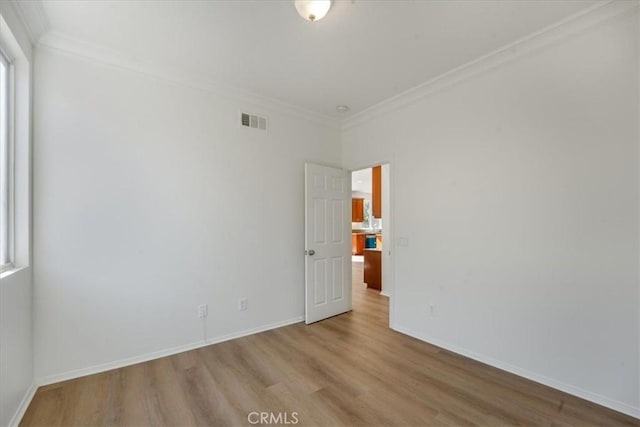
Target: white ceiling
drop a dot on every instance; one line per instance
(361, 53)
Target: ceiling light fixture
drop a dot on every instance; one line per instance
(342, 108)
(312, 10)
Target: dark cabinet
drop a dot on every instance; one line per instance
(376, 196)
(357, 210)
(357, 244)
(373, 268)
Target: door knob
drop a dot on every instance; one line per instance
(310, 252)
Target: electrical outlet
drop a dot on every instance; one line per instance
(203, 310)
(242, 304)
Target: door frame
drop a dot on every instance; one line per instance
(390, 289)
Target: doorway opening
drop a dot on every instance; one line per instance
(335, 281)
(371, 231)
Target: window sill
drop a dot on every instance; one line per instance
(10, 271)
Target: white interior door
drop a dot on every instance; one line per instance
(327, 242)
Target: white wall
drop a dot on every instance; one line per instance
(16, 344)
(151, 199)
(16, 332)
(518, 191)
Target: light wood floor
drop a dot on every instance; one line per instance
(347, 370)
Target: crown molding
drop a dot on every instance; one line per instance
(573, 24)
(35, 21)
(57, 41)
(33, 17)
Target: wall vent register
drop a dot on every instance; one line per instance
(253, 121)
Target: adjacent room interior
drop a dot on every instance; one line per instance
(319, 213)
(370, 226)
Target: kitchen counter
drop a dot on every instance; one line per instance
(358, 241)
(363, 231)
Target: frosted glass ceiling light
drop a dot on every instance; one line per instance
(312, 10)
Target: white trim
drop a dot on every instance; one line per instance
(5, 268)
(76, 373)
(57, 41)
(573, 24)
(24, 404)
(12, 161)
(255, 330)
(33, 18)
(12, 270)
(558, 385)
(9, 63)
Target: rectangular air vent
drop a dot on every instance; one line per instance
(253, 121)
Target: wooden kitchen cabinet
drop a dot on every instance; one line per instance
(357, 244)
(376, 197)
(373, 268)
(357, 210)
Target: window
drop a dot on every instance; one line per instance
(6, 165)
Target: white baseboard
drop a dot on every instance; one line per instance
(385, 294)
(558, 385)
(50, 379)
(255, 330)
(24, 404)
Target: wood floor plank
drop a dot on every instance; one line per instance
(167, 405)
(127, 391)
(347, 370)
(45, 408)
(86, 400)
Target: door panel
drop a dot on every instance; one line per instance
(338, 207)
(320, 282)
(338, 276)
(327, 242)
(319, 219)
